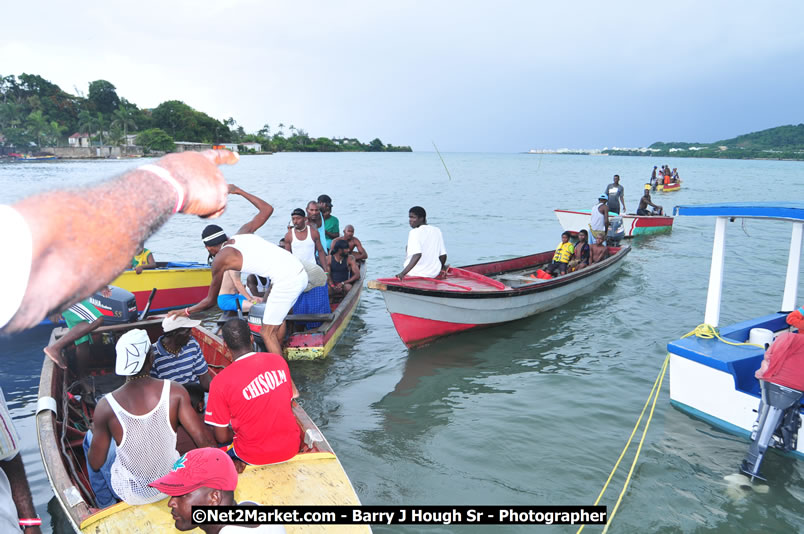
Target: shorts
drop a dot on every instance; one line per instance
(229, 302)
(282, 297)
(83, 312)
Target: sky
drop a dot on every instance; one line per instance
(505, 76)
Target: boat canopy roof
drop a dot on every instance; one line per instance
(790, 211)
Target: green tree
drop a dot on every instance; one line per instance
(38, 127)
(123, 118)
(103, 96)
(376, 146)
(86, 123)
(155, 139)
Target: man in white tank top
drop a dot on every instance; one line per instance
(141, 416)
(303, 240)
(252, 254)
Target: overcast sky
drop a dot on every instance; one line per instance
(503, 76)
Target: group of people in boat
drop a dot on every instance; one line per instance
(663, 176)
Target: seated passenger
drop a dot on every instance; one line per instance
(184, 442)
(783, 363)
(205, 477)
(562, 256)
(144, 259)
(232, 292)
(343, 269)
(249, 403)
(580, 258)
(349, 236)
(257, 286)
(645, 201)
(133, 438)
(81, 318)
(598, 252)
(178, 354)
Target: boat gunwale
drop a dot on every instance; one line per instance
(528, 289)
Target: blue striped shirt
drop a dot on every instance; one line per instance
(184, 367)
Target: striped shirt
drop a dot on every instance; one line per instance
(9, 439)
(184, 367)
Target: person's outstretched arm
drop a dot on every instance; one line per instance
(82, 239)
(264, 210)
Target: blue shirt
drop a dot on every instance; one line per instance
(184, 367)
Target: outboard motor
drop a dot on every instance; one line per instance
(616, 232)
(120, 307)
(255, 320)
(777, 425)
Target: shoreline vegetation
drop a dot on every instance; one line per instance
(37, 117)
(780, 143)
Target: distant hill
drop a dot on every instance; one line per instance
(782, 142)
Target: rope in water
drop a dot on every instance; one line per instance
(654, 394)
(703, 331)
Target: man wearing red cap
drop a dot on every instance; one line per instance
(205, 477)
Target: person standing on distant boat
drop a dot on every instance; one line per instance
(426, 253)
(616, 195)
(653, 178)
(599, 221)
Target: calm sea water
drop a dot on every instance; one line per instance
(534, 412)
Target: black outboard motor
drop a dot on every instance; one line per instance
(120, 307)
(777, 425)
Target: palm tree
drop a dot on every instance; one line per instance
(38, 126)
(122, 119)
(86, 123)
(279, 130)
(101, 125)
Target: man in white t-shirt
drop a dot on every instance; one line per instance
(426, 253)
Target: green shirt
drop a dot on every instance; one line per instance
(331, 225)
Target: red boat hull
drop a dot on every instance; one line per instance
(417, 331)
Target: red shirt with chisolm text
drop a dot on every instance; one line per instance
(253, 394)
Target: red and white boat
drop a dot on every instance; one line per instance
(486, 294)
(633, 225)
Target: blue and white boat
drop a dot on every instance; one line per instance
(713, 379)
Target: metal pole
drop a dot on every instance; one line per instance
(793, 262)
(712, 314)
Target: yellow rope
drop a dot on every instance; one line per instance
(639, 449)
(703, 331)
(654, 393)
(706, 331)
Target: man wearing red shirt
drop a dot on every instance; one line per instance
(249, 402)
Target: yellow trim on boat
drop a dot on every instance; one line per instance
(163, 279)
(306, 479)
(314, 353)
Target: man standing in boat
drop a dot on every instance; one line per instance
(599, 221)
(426, 253)
(615, 195)
(303, 240)
(253, 254)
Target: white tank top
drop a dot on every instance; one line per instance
(146, 452)
(303, 249)
(266, 259)
(597, 223)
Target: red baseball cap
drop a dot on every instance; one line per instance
(207, 467)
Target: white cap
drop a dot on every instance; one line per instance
(132, 349)
(174, 323)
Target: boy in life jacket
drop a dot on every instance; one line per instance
(562, 256)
